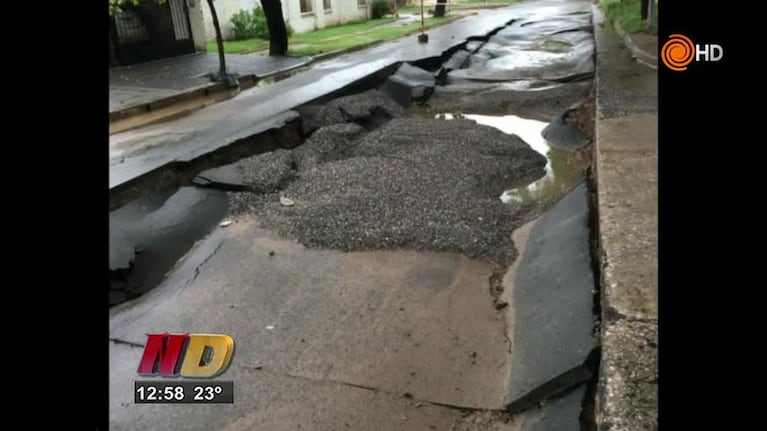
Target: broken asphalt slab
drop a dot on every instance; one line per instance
(150, 149)
(562, 413)
(558, 46)
(540, 100)
(262, 173)
(409, 84)
(138, 152)
(552, 295)
(562, 133)
(504, 58)
(414, 326)
(456, 61)
(146, 238)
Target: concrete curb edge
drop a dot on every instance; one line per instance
(641, 56)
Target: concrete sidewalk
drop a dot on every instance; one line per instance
(139, 84)
(627, 187)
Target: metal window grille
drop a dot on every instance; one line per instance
(180, 23)
(130, 28)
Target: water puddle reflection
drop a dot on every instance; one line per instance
(562, 167)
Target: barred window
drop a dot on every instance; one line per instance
(326, 4)
(130, 27)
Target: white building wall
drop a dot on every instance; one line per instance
(341, 12)
(224, 9)
(197, 24)
(347, 11)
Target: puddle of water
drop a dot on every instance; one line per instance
(561, 169)
(554, 45)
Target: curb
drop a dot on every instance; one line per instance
(339, 52)
(640, 55)
(625, 217)
(201, 90)
(246, 81)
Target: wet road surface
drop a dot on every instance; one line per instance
(376, 337)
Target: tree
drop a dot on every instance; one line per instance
(278, 32)
(116, 6)
(223, 75)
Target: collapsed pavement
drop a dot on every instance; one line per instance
(368, 262)
(413, 183)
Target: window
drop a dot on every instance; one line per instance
(326, 4)
(306, 6)
(361, 3)
(130, 28)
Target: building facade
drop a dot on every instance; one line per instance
(149, 31)
(152, 31)
(303, 15)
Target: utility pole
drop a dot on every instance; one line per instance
(650, 6)
(422, 24)
(423, 37)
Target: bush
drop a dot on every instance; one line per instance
(379, 8)
(250, 24)
(628, 13)
(290, 29)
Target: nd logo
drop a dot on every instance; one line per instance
(186, 355)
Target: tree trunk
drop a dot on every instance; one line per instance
(644, 5)
(219, 42)
(278, 32)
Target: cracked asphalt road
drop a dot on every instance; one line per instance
(305, 321)
(405, 338)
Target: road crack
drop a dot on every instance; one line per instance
(199, 267)
(127, 343)
(406, 396)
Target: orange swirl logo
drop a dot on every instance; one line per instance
(677, 52)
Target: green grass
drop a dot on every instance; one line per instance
(333, 38)
(314, 45)
(456, 5)
(412, 8)
(344, 30)
(627, 13)
(254, 45)
(489, 1)
(240, 46)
